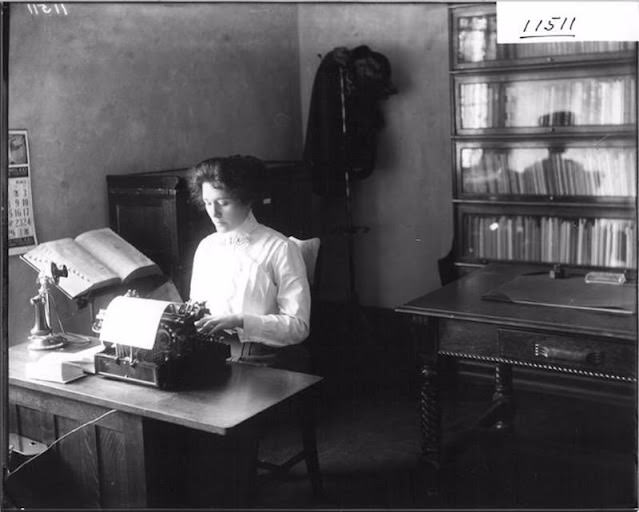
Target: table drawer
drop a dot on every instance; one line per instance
(471, 339)
(578, 352)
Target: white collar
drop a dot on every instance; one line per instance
(242, 234)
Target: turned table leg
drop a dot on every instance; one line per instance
(503, 395)
(430, 415)
(425, 335)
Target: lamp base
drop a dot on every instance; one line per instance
(46, 342)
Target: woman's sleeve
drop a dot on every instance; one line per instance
(291, 324)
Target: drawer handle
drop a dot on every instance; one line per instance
(575, 356)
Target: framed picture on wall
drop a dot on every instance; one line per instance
(18, 148)
(22, 235)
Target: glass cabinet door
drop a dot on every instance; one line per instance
(545, 149)
(540, 103)
(551, 169)
(475, 44)
(597, 242)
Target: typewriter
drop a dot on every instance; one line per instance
(179, 357)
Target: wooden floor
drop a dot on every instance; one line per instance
(562, 453)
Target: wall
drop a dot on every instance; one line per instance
(406, 203)
(122, 88)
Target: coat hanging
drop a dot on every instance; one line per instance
(344, 117)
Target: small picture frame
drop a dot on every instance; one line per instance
(18, 148)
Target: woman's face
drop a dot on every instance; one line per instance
(226, 212)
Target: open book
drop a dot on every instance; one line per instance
(95, 259)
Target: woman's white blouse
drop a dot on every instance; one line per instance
(258, 272)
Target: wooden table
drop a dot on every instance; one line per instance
(455, 321)
(160, 448)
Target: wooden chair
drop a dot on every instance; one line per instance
(304, 408)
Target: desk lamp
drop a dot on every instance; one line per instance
(42, 336)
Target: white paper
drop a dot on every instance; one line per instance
(81, 356)
(547, 22)
(132, 321)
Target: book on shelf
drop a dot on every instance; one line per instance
(586, 172)
(590, 242)
(94, 259)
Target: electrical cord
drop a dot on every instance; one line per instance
(59, 439)
(78, 339)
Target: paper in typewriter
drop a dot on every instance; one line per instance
(571, 292)
(132, 321)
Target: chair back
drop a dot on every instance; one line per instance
(310, 249)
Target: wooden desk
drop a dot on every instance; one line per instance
(455, 321)
(143, 455)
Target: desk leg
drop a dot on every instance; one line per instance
(430, 416)
(503, 395)
(425, 332)
(220, 471)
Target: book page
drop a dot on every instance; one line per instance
(85, 271)
(118, 254)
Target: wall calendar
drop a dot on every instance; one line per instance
(22, 235)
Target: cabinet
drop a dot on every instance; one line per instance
(152, 210)
(544, 148)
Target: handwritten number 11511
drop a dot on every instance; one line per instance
(47, 9)
(555, 26)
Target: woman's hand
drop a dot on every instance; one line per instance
(213, 324)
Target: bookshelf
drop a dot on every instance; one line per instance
(544, 148)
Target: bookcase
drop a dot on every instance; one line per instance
(544, 148)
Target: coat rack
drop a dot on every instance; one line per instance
(350, 230)
(340, 146)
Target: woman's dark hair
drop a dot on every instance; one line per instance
(241, 176)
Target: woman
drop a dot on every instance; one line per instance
(252, 278)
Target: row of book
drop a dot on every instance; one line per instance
(589, 242)
(599, 172)
(557, 102)
(477, 42)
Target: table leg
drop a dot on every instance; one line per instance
(427, 479)
(425, 335)
(430, 415)
(503, 396)
(220, 471)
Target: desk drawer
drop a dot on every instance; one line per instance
(474, 339)
(578, 352)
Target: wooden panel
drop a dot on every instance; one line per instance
(134, 450)
(469, 338)
(149, 224)
(78, 455)
(103, 465)
(35, 424)
(111, 466)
